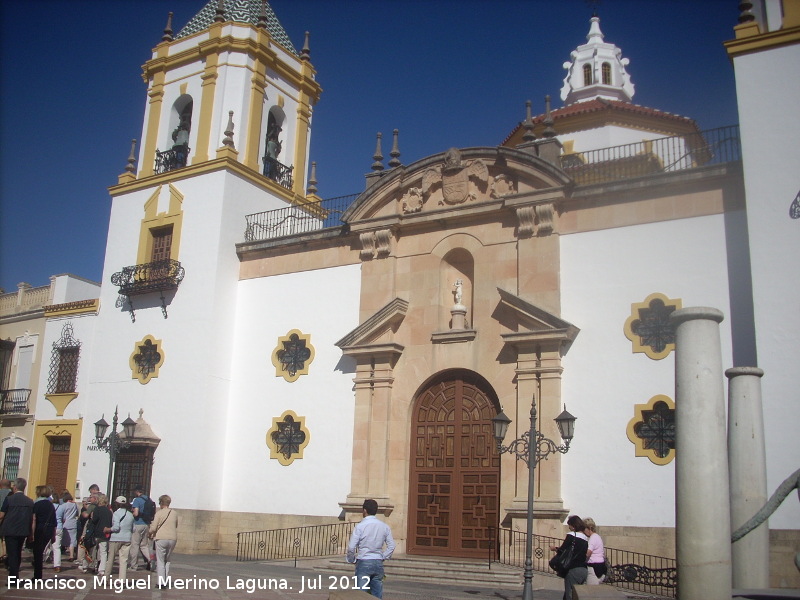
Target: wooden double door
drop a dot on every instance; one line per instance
(455, 469)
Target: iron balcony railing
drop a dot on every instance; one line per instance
(313, 541)
(172, 159)
(630, 570)
(298, 218)
(663, 155)
(616, 163)
(14, 402)
(157, 276)
(278, 172)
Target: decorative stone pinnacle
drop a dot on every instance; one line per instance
(262, 16)
(131, 166)
(528, 136)
(312, 181)
(378, 156)
(167, 37)
(549, 130)
(228, 139)
(305, 53)
(395, 153)
(220, 16)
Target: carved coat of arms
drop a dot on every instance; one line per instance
(454, 176)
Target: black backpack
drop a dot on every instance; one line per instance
(148, 511)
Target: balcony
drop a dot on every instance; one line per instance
(159, 276)
(169, 160)
(14, 402)
(278, 172)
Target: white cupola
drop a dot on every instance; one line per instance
(597, 70)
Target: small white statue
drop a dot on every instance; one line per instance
(459, 290)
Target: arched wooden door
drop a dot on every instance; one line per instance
(455, 469)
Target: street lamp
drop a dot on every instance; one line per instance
(532, 453)
(113, 444)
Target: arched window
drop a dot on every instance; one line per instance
(273, 146)
(606, 68)
(587, 74)
(181, 126)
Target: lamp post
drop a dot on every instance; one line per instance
(532, 453)
(113, 444)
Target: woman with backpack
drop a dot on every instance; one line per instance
(120, 541)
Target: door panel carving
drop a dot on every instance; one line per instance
(455, 470)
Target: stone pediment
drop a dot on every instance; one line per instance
(451, 182)
(532, 324)
(374, 334)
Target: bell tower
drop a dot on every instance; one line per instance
(226, 133)
(233, 55)
(596, 70)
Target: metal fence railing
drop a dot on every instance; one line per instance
(313, 541)
(662, 155)
(298, 218)
(630, 570)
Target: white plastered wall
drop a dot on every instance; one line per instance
(602, 274)
(323, 304)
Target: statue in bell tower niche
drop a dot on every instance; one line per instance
(454, 177)
(180, 138)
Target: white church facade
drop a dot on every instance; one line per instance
(323, 359)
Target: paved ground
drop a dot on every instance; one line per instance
(222, 578)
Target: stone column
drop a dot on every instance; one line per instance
(748, 476)
(702, 496)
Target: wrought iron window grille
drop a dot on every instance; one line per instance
(158, 276)
(278, 172)
(148, 358)
(64, 359)
(172, 159)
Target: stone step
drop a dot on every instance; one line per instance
(442, 570)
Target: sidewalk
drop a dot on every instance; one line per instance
(221, 577)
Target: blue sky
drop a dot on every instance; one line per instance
(444, 72)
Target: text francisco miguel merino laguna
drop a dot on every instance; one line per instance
(247, 584)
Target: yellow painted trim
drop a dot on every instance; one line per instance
(255, 117)
(219, 164)
(38, 466)
(757, 42)
(279, 370)
(155, 220)
(61, 401)
(145, 378)
(156, 95)
(208, 87)
(72, 308)
(638, 442)
(635, 339)
(273, 447)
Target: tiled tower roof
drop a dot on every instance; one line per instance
(240, 11)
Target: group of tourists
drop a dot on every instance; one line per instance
(136, 534)
(581, 556)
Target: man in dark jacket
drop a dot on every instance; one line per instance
(16, 516)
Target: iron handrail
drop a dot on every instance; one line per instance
(311, 541)
(156, 276)
(631, 570)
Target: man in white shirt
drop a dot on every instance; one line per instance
(366, 549)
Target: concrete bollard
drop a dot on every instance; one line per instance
(702, 494)
(748, 476)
